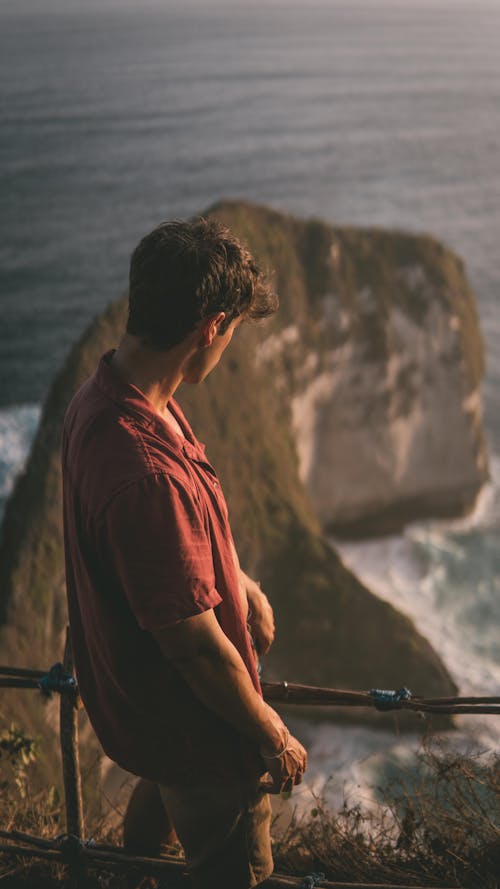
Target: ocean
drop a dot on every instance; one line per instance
(116, 115)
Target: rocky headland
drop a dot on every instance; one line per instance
(377, 348)
(355, 409)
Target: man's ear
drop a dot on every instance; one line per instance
(209, 328)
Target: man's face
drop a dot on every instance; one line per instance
(204, 361)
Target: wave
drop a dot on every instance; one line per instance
(446, 577)
(18, 425)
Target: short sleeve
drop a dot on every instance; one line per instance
(153, 537)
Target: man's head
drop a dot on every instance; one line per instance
(184, 272)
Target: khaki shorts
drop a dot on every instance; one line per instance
(225, 832)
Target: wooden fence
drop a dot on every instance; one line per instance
(79, 854)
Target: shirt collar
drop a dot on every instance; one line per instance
(133, 402)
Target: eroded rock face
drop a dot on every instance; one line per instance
(381, 361)
(384, 441)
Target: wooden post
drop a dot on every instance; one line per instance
(71, 766)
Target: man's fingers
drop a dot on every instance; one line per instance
(286, 770)
(283, 783)
(263, 640)
(263, 645)
(262, 623)
(271, 787)
(299, 759)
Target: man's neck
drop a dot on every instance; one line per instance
(156, 374)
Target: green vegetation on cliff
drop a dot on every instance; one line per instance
(312, 259)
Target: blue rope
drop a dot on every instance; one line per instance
(312, 880)
(71, 840)
(71, 846)
(385, 699)
(57, 680)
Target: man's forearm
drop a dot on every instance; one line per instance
(221, 681)
(217, 674)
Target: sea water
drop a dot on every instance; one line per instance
(115, 115)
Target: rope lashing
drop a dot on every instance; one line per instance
(70, 845)
(57, 680)
(387, 699)
(312, 880)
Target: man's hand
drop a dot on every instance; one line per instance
(260, 615)
(287, 769)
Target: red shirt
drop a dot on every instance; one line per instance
(147, 543)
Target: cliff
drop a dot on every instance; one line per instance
(331, 629)
(378, 351)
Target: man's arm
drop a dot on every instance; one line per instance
(260, 614)
(215, 671)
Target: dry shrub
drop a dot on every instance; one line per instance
(39, 812)
(438, 826)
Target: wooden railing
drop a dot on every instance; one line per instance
(79, 854)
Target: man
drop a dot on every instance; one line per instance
(158, 604)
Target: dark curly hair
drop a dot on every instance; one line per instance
(182, 272)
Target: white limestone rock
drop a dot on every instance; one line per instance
(385, 391)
